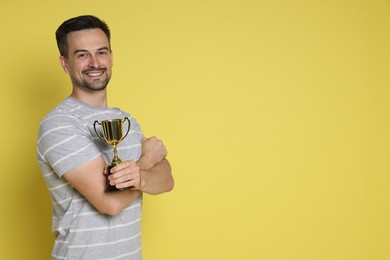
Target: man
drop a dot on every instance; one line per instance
(88, 222)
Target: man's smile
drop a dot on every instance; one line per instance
(94, 73)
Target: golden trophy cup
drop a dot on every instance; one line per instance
(112, 134)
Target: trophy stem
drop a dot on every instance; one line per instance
(116, 160)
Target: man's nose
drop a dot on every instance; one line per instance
(94, 61)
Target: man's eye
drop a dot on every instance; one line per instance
(103, 53)
(81, 55)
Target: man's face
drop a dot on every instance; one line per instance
(89, 59)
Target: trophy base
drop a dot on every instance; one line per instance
(109, 187)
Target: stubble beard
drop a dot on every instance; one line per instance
(95, 85)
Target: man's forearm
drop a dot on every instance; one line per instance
(157, 179)
(89, 180)
(118, 200)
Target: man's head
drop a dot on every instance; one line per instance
(77, 24)
(84, 44)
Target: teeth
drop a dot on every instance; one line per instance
(95, 74)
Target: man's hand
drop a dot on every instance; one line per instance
(153, 152)
(150, 174)
(126, 174)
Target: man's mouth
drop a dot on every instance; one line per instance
(94, 73)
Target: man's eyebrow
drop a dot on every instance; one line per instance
(82, 50)
(79, 50)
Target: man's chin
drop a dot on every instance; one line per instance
(96, 86)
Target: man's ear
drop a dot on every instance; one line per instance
(64, 64)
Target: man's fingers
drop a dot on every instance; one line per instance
(129, 184)
(124, 175)
(125, 181)
(121, 179)
(124, 165)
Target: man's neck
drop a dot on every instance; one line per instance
(96, 99)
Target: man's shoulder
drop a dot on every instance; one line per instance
(61, 115)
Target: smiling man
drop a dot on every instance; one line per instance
(89, 222)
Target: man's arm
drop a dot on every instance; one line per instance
(157, 179)
(155, 174)
(90, 181)
(154, 180)
(151, 174)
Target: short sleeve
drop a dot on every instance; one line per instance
(65, 143)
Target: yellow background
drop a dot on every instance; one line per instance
(275, 115)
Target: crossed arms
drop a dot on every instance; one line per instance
(150, 174)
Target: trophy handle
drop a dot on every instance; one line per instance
(94, 127)
(128, 128)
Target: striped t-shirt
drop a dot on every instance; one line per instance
(67, 140)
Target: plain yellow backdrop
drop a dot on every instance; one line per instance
(275, 115)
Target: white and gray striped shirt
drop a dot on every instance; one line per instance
(67, 140)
